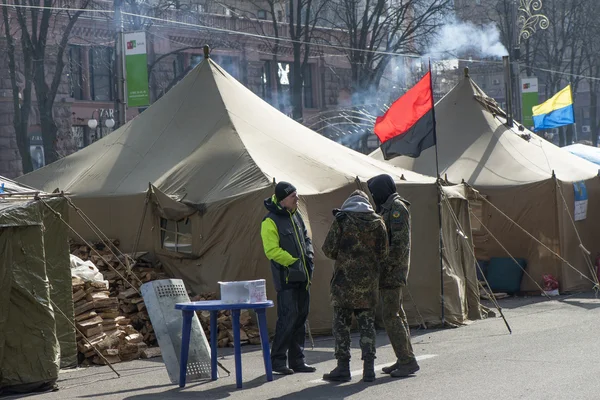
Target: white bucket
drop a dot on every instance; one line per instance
(243, 292)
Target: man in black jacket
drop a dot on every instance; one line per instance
(290, 250)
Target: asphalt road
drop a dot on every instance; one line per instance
(551, 354)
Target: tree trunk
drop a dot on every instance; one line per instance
(569, 134)
(21, 109)
(49, 133)
(296, 84)
(561, 137)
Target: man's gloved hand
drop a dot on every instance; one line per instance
(335, 211)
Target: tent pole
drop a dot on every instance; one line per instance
(439, 187)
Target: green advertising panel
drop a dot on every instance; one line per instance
(529, 99)
(136, 65)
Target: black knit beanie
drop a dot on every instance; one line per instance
(283, 190)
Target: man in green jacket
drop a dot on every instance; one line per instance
(394, 272)
(290, 250)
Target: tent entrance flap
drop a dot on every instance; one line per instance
(169, 208)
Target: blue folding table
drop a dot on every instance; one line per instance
(214, 306)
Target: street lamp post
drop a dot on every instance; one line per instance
(93, 123)
(528, 19)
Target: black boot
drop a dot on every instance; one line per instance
(341, 373)
(388, 370)
(404, 370)
(369, 370)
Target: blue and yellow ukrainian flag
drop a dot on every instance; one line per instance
(554, 112)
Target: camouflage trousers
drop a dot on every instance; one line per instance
(342, 321)
(396, 324)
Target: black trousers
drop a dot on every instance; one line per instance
(290, 331)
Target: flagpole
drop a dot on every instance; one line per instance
(437, 171)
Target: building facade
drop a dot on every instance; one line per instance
(174, 46)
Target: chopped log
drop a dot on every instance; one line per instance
(137, 300)
(110, 313)
(223, 342)
(254, 340)
(78, 295)
(120, 320)
(97, 296)
(111, 359)
(127, 293)
(83, 308)
(129, 330)
(106, 303)
(128, 308)
(91, 331)
(96, 338)
(110, 352)
(102, 285)
(141, 306)
(90, 322)
(245, 318)
(151, 352)
(85, 316)
(134, 338)
(243, 336)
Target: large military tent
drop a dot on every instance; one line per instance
(206, 155)
(525, 176)
(35, 278)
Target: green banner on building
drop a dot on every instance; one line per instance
(529, 99)
(136, 65)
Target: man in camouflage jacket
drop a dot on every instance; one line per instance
(394, 273)
(357, 241)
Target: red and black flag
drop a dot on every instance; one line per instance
(408, 126)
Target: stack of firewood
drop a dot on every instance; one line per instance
(249, 333)
(114, 317)
(97, 318)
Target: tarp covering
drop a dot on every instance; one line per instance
(210, 150)
(521, 174)
(34, 272)
(589, 153)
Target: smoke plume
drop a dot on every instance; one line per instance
(457, 38)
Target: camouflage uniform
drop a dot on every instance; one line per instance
(394, 274)
(357, 240)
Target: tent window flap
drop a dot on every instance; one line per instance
(176, 235)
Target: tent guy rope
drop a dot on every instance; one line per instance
(490, 293)
(533, 237)
(57, 214)
(586, 252)
(105, 240)
(509, 254)
(85, 338)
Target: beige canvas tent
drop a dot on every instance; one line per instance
(35, 278)
(207, 154)
(523, 175)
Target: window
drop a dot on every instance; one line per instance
(101, 73)
(308, 88)
(266, 84)
(178, 64)
(262, 14)
(195, 59)
(75, 75)
(280, 16)
(176, 235)
(229, 64)
(477, 210)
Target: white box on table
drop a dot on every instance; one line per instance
(244, 291)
